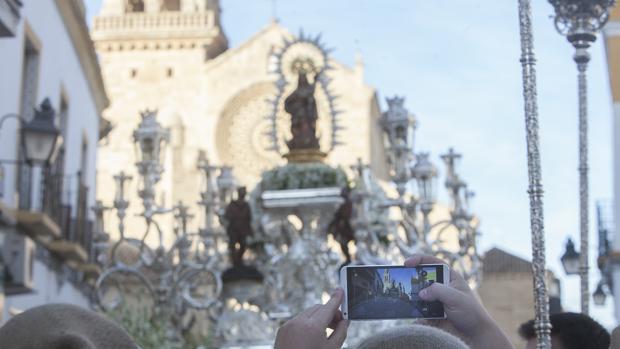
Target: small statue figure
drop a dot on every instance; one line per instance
(239, 217)
(340, 227)
(302, 107)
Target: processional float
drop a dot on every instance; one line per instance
(263, 255)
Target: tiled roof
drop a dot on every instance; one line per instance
(499, 261)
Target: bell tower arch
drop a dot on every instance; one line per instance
(163, 23)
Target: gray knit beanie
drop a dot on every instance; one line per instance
(412, 337)
(63, 326)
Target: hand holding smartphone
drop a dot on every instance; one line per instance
(381, 292)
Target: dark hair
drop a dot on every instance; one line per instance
(573, 330)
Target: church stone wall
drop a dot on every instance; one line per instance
(216, 105)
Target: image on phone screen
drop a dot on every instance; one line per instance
(391, 292)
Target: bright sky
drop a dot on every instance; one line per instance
(457, 63)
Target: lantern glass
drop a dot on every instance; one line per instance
(39, 146)
(150, 138)
(401, 135)
(599, 296)
(148, 150)
(226, 180)
(425, 174)
(426, 187)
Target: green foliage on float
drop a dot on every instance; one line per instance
(303, 176)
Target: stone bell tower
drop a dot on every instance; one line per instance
(153, 55)
(160, 25)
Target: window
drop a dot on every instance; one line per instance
(171, 5)
(55, 203)
(135, 6)
(58, 169)
(84, 160)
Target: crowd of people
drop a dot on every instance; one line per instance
(468, 325)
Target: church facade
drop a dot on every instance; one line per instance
(173, 56)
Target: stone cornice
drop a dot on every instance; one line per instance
(72, 12)
(160, 25)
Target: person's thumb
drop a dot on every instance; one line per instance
(439, 292)
(340, 334)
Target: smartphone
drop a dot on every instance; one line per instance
(381, 292)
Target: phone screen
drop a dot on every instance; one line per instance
(391, 292)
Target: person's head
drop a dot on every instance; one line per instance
(63, 326)
(242, 192)
(412, 337)
(569, 331)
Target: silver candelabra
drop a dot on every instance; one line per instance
(580, 21)
(176, 279)
(452, 238)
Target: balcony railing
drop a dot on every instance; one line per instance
(68, 208)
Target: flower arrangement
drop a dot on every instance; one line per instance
(303, 176)
(149, 332)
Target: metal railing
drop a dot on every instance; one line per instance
(605, 223)
(67, 210)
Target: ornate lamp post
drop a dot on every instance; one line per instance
(422, 236)
(150, 139)
(579, 21)
(535, 190)
(178, 278)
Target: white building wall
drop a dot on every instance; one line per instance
(50, 287)
(616, 242)
(60, 73)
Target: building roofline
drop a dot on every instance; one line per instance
(72, 12)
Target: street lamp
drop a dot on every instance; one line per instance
(399, 126)
(425, 174)
(580, 21)
(570, 259)
(151, 138)
(40, 135)
(599, 296)
(39, 138)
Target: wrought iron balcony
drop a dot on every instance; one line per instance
(60, 221)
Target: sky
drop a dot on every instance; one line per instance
(457, 64)
(403, 276)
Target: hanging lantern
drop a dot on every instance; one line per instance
(398, 124)
(40, 135)
(570, 259)
(151, 138)
(425, 174)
